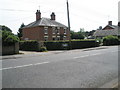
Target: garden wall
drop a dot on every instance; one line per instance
(10, 49)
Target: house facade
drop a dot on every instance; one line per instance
(45, 29)
(108, 30)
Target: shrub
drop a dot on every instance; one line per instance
(9, 38)
(43, 49)
(110, 40)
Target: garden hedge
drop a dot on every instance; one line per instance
(110, 40)
(29, 46)
(75, 44)
(57, 45)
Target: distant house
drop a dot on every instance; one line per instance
(45, 29)
(108, 30)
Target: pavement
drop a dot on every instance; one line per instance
(23, 54)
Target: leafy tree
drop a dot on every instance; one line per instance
(19, 33)
(77, 35)
(9, 38)
(5, 28)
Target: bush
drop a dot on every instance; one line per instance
(110, 40)
(43, 49)
(9, 38)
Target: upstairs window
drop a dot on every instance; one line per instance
(45, 30)
(53, 30)
(65, 30)
(57, 30)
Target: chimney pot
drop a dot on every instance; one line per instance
(38, 15)
(119, 24)
(53, 16)
(109, 22)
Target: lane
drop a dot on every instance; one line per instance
(54, 57)
(39, 63)
(85, 72)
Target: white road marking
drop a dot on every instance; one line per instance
(96, 54)
(24, 66)
(87, 55)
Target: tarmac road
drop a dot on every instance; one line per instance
(89, 68)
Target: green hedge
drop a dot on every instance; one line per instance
(110, 40)
(29, 46)
(57, 45)
(75, 44)
(84, 44)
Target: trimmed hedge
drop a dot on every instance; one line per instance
(75, 44)
(84, 44)
(29, 45)
(57, 45)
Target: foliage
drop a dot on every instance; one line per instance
(81, 34)
(84, 44)
(5, 28)
(110, 40)
(32, 45)
(77, 35)
(9, 38)
(76, 44)
(43, 49)
(19, 33)
(58, 45)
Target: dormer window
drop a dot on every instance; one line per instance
(45, 30)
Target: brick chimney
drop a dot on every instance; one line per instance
(110, 23)
(38, 15)
(119, 24)
(53, 16)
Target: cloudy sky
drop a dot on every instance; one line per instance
(87, 14)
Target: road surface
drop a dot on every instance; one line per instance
(87, 68)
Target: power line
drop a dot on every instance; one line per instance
(16, 10)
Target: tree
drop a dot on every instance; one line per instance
(77, 35)
(19, 33)
(5, 28)
(9, 38)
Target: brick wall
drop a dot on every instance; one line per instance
(37, 33)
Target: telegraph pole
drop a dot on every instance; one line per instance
(69, 23)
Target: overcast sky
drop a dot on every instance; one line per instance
(87, 14)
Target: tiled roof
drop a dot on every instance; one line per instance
(103, 33)
(45, 22)
(112, 26)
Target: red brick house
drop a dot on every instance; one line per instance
(45, 29)
(110, 26)
(108, 30)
